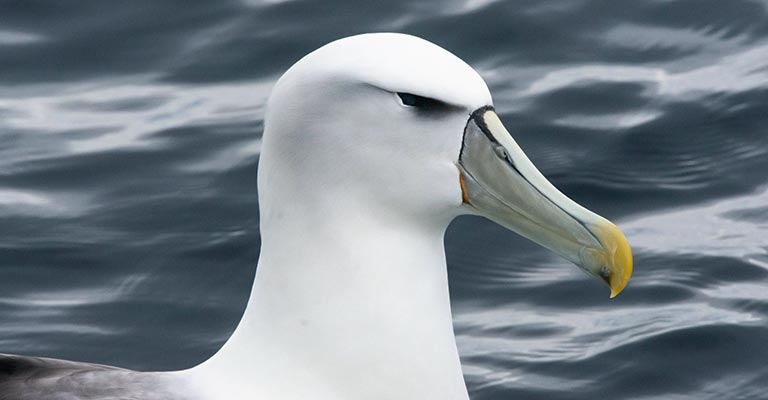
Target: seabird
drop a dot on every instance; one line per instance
(372, 145)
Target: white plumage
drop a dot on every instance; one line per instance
(363, 167)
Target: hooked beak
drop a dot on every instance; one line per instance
(499, 182)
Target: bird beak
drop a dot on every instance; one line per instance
(499, 182)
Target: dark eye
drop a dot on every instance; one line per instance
(420, 102)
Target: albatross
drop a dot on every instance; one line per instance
(372, 145)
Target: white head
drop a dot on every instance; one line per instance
(336, 125)
(393, 125)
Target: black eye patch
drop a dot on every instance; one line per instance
(421, 102)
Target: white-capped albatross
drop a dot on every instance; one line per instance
(372, 145)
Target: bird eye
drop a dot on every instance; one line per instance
(420, 102)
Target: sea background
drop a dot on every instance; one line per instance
(130, 136)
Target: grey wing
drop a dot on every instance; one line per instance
(33, 378)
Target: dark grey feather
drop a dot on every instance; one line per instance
(34, 378)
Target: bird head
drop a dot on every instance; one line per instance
(395, 125)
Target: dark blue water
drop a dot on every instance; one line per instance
(129, 143)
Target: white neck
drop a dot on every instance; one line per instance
(345, 305)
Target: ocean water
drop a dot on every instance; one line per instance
(129, 142)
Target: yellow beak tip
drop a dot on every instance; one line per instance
(618, 255)
(621, 284)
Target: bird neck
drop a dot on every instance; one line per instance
(350, 305)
